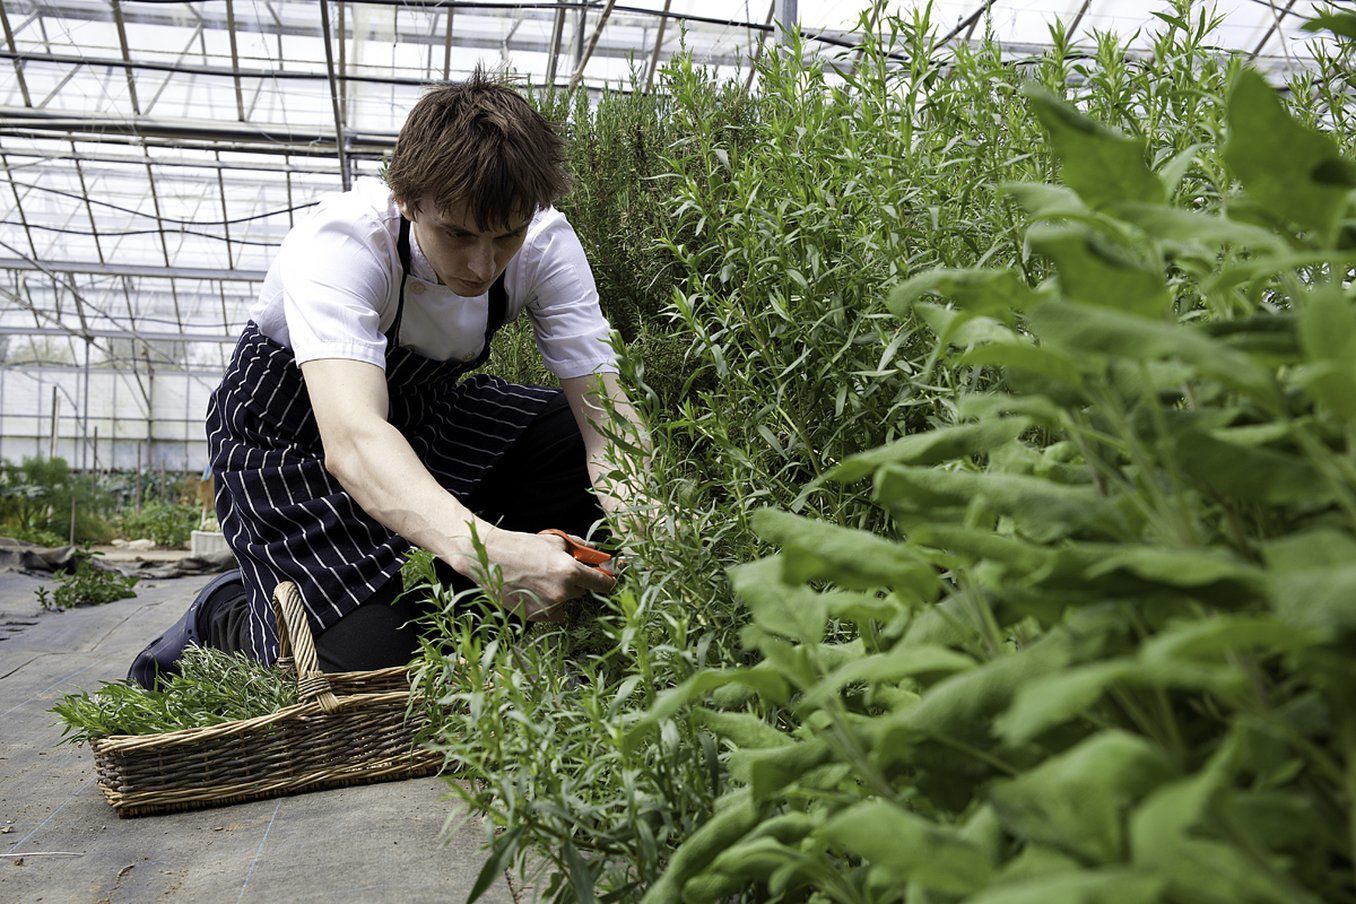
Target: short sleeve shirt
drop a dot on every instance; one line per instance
(332, 291)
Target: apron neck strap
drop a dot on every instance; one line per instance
(403, 247)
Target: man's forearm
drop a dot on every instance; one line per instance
(379, 469)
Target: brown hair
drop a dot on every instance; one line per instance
(478, 143)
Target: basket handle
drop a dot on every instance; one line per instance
(294, 641)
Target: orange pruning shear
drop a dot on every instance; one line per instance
(591, 556)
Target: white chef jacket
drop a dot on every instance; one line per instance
(331, 292)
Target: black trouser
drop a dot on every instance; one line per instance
(542, 481)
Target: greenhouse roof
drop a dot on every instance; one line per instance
(155, 153)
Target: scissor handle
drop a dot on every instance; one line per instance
(582, 552)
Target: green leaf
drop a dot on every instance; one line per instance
(1163, 839)
(1094, 271)
(909, 848)
(765, 681)
(1053, 699)
(581, 877)
(1102, 165)
(1211, 638)
(1181, 567)
(973, 545)
(1327, 330)
(1044, 510)
(861, 607)
(754, 859)
(731, 822)
(1313, 580)
(855, 559)
(963, 705)
(980, 405)
(990, 293)
(1044, 201)
(1085, 328)
(1102, 886)
(770, 769)
(1172, 172)
(961, 328)
(1247, 473)
(1025, 357)
(1190, 229)
(1342, 24)
(1077, 801)
(934, 447)
(792, 611)
(899, 662)
(1292, 170)
(744, 730)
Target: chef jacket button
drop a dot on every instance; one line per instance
(417, 288)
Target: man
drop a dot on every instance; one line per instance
(343, 431)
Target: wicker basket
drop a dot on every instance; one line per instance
(346, 728)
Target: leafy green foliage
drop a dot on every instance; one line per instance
(213, 687)
(88, 585)
(1136, 683)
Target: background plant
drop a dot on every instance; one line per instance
(87, 585)
(36, 496)
(169, 524)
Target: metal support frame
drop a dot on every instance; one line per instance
(135, 335)
(1078, 19)
(235, 61)
(197, 34)
(89, 208)
(758, 51)
(123, 159)
(116, 269)
(658, 43)
(968, 22)
(225, 217)
(787, 19)
(126, 56)
(18, 204)
(340, 145)
(557, 32)
(1277, 16)
(18, 63)
(447, 44)
(593, 42)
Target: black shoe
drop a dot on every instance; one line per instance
(160, 660)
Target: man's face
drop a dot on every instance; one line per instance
(466, 259)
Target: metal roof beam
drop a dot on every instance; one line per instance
(243, 166)
(150, 270)
(147, 335)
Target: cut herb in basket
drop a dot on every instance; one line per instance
(214, 687)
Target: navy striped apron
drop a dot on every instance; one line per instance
(287, 519)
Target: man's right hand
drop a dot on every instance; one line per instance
(539, 574)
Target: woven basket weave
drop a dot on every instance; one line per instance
(346, 728)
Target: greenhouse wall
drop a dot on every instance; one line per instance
(105, 420)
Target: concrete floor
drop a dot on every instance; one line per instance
(61, 842)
